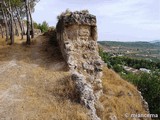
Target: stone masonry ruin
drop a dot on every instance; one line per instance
(77, 37)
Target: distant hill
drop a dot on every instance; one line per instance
(155, 41)
(131, 44)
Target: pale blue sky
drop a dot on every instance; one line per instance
(119, 20)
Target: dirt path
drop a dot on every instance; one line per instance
(34, 83)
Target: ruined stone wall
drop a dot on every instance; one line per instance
(77, 37)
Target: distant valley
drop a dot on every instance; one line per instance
(140, 50)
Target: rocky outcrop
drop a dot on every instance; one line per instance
(77, 37)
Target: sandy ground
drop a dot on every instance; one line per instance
(33, 82)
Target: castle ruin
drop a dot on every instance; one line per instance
(77, 37)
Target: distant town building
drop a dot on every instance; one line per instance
(145, 70)
(130, 69)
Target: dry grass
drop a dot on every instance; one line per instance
(35, 84)
(120, 97)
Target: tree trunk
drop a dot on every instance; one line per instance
(20, 23)
(8, 17)
(10, 13)
(6, 24)
(1, 30)
(32, 26)
(28, 22)
(16, 28)
(11, 24)
(24, 32)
